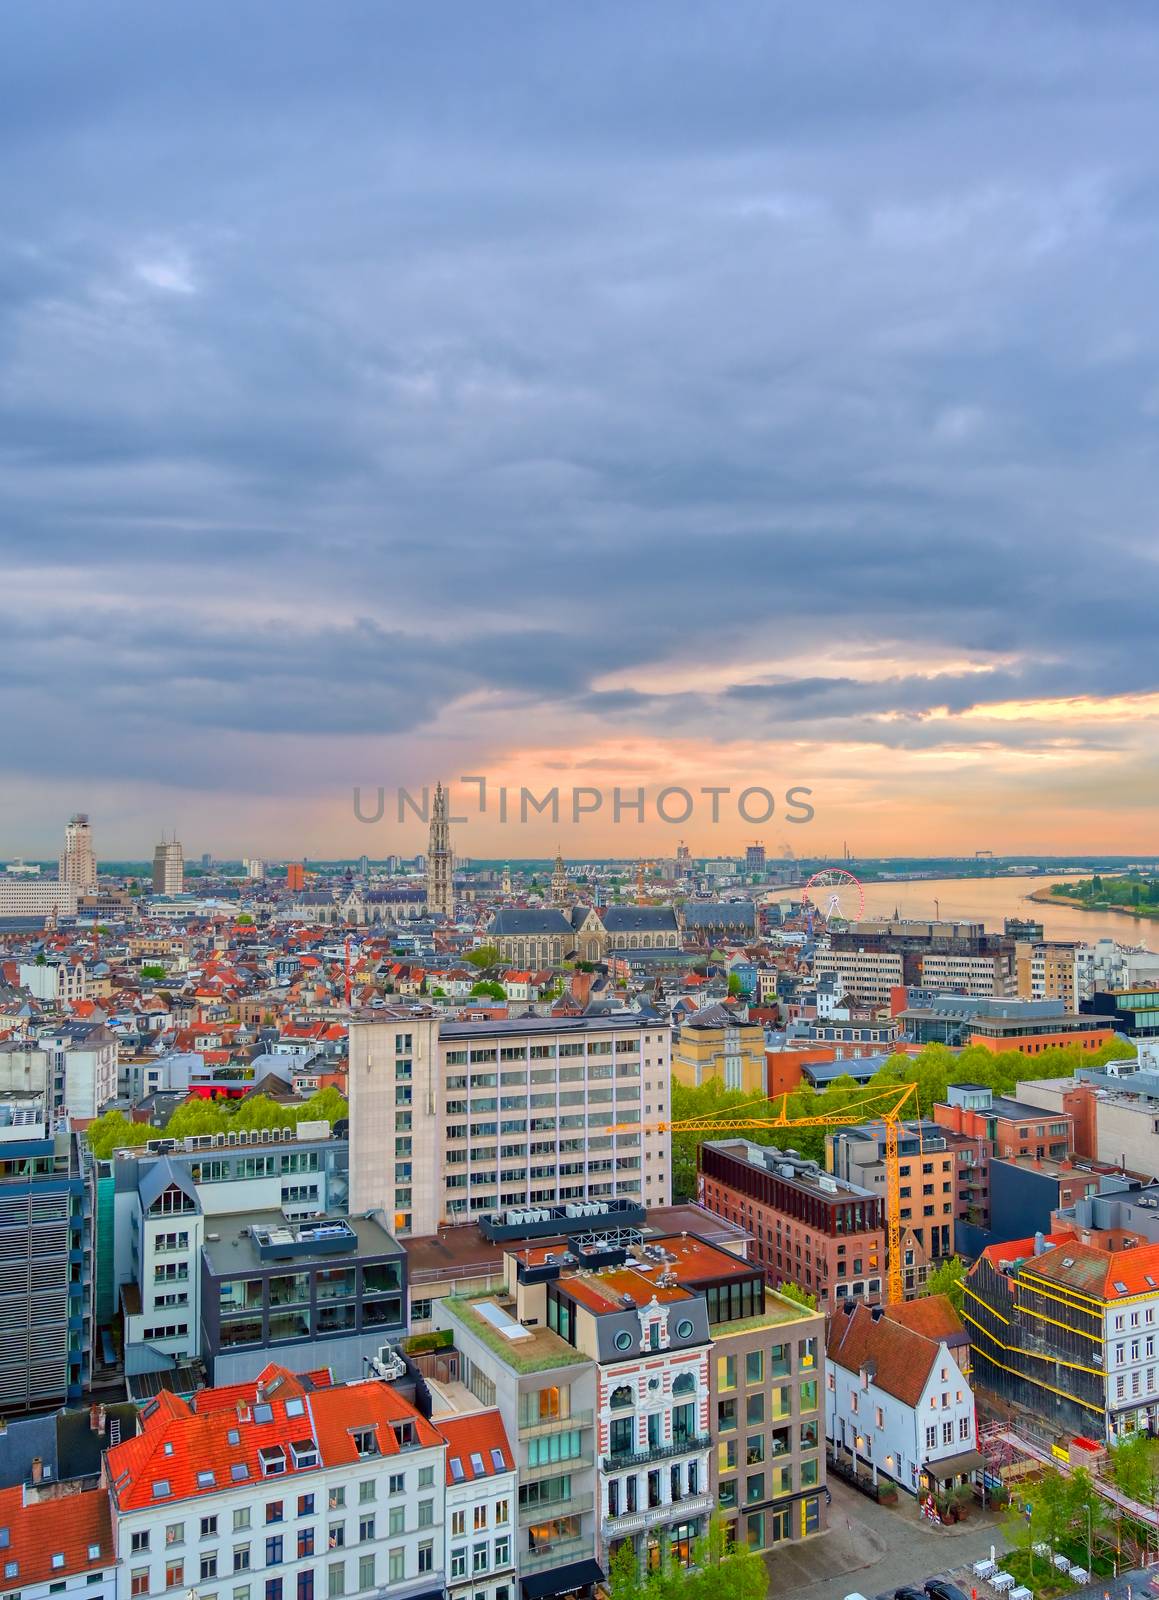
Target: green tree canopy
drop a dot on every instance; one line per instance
(948, 1279)
(483, 955)
(490, 988)
(793, 1291)
(153, 971)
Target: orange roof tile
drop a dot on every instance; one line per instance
(52, 1538)
(470, 1440)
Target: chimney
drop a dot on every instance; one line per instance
(37, 1469)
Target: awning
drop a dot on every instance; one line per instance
(560, 1580)
(954, 1466)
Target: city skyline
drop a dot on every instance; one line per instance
(417, 397)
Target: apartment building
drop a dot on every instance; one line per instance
(716, 1044)
(932, 1187)
(867, 977)
(169, 1196)
(287, 1488)
(454, 1120)
(1048, 969)
(57, 1541)
(768, 1456)
(823, 1233)
(57, 981)
(46, 1246)
(1068, 1331)
(481, 1503)
(544, 1389)
(898, 1401)
(1011, 1128)
(984, 974)
(36, 897)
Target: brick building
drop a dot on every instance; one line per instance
(820, 1232)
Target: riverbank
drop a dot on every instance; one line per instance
(1046, 897)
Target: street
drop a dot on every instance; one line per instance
(872, 1550)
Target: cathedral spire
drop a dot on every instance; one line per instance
(559, 884)
(440, 862)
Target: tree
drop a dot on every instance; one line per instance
(793, 1291)
(114, 1131)
(245, 920)
(948, 1279)
(483, 955)
(489, 987)
(153, 971)
(438, 993)
(1134, 1466)
(624, 1580)
(327, 1105)
(734, 983)
(723, 1570)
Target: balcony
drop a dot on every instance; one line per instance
(535, 1430)
(687, 1446)
(560, 1554)
(573, 1506)
(691, 1505)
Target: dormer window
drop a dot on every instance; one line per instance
(273, 1460)
(304, 1453)
(404, 1434)
(365, 1441)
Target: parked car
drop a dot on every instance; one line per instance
(908, 1592)
(943, 1589)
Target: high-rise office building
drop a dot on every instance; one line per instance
(451, 1120)
(254, 868)
(295, 876)
(78, 863)
(168, 868)
(440, 894)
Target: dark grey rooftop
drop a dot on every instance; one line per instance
(234, 1251)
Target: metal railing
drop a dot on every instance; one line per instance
(572, 1505)
(560, 1554)
(619, 1459)
(536, 1430)
(691, 1505)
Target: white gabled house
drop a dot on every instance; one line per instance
(897, 1401)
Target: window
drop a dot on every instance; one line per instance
(273, 1589)
(208, 1526)
(947, 1433)
(305, 1505)
(366, 1572)
(931, 1438)
(426, 1477)
(274, 1551)
(174, 1534)
(305, 1542)
(458, 1524)
(459, 1562)
(365, 1529)
(274, 1511)
(337, 1535)
(480, 1518)
(336, 1580)
(964, 1428)
(426, 1513)
(426, 1556)
(306, 1584)
(502, 1513)
(396, 1565)
(502, 1552)
(396, 1483)
(208, 1565)
(479, 1558)
(241, 1558)
(754, 1367)
(337, 1498)
(139, 1541)
(140, 1581)
(175, 1574)
(396, 1520)
(366, 1492)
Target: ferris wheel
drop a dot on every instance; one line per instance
(834, 894)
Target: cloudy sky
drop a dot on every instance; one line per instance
(754, 394)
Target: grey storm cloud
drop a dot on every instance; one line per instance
(356, 362)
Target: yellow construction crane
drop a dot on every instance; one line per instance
(734, 1120)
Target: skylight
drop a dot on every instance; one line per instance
(477, 1463)
(457, 1472)
(1147, 1278)
(295, 1408)
(1121, 1287)
(233, 1436)
(58, 1561)
(239, 1472)
(497, 1460)
(94, 1552)
(205, 1480)
(161, 1489)
(12, 1569)
(263, 1413)
(4, 1538)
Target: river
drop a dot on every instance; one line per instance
(990, 900)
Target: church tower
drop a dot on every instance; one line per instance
(440, 895)
(507, 880)
(559, 882)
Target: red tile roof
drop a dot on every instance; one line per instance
(471, 1439)
(77, 1527)
(901, 1358)
(194, 1448)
